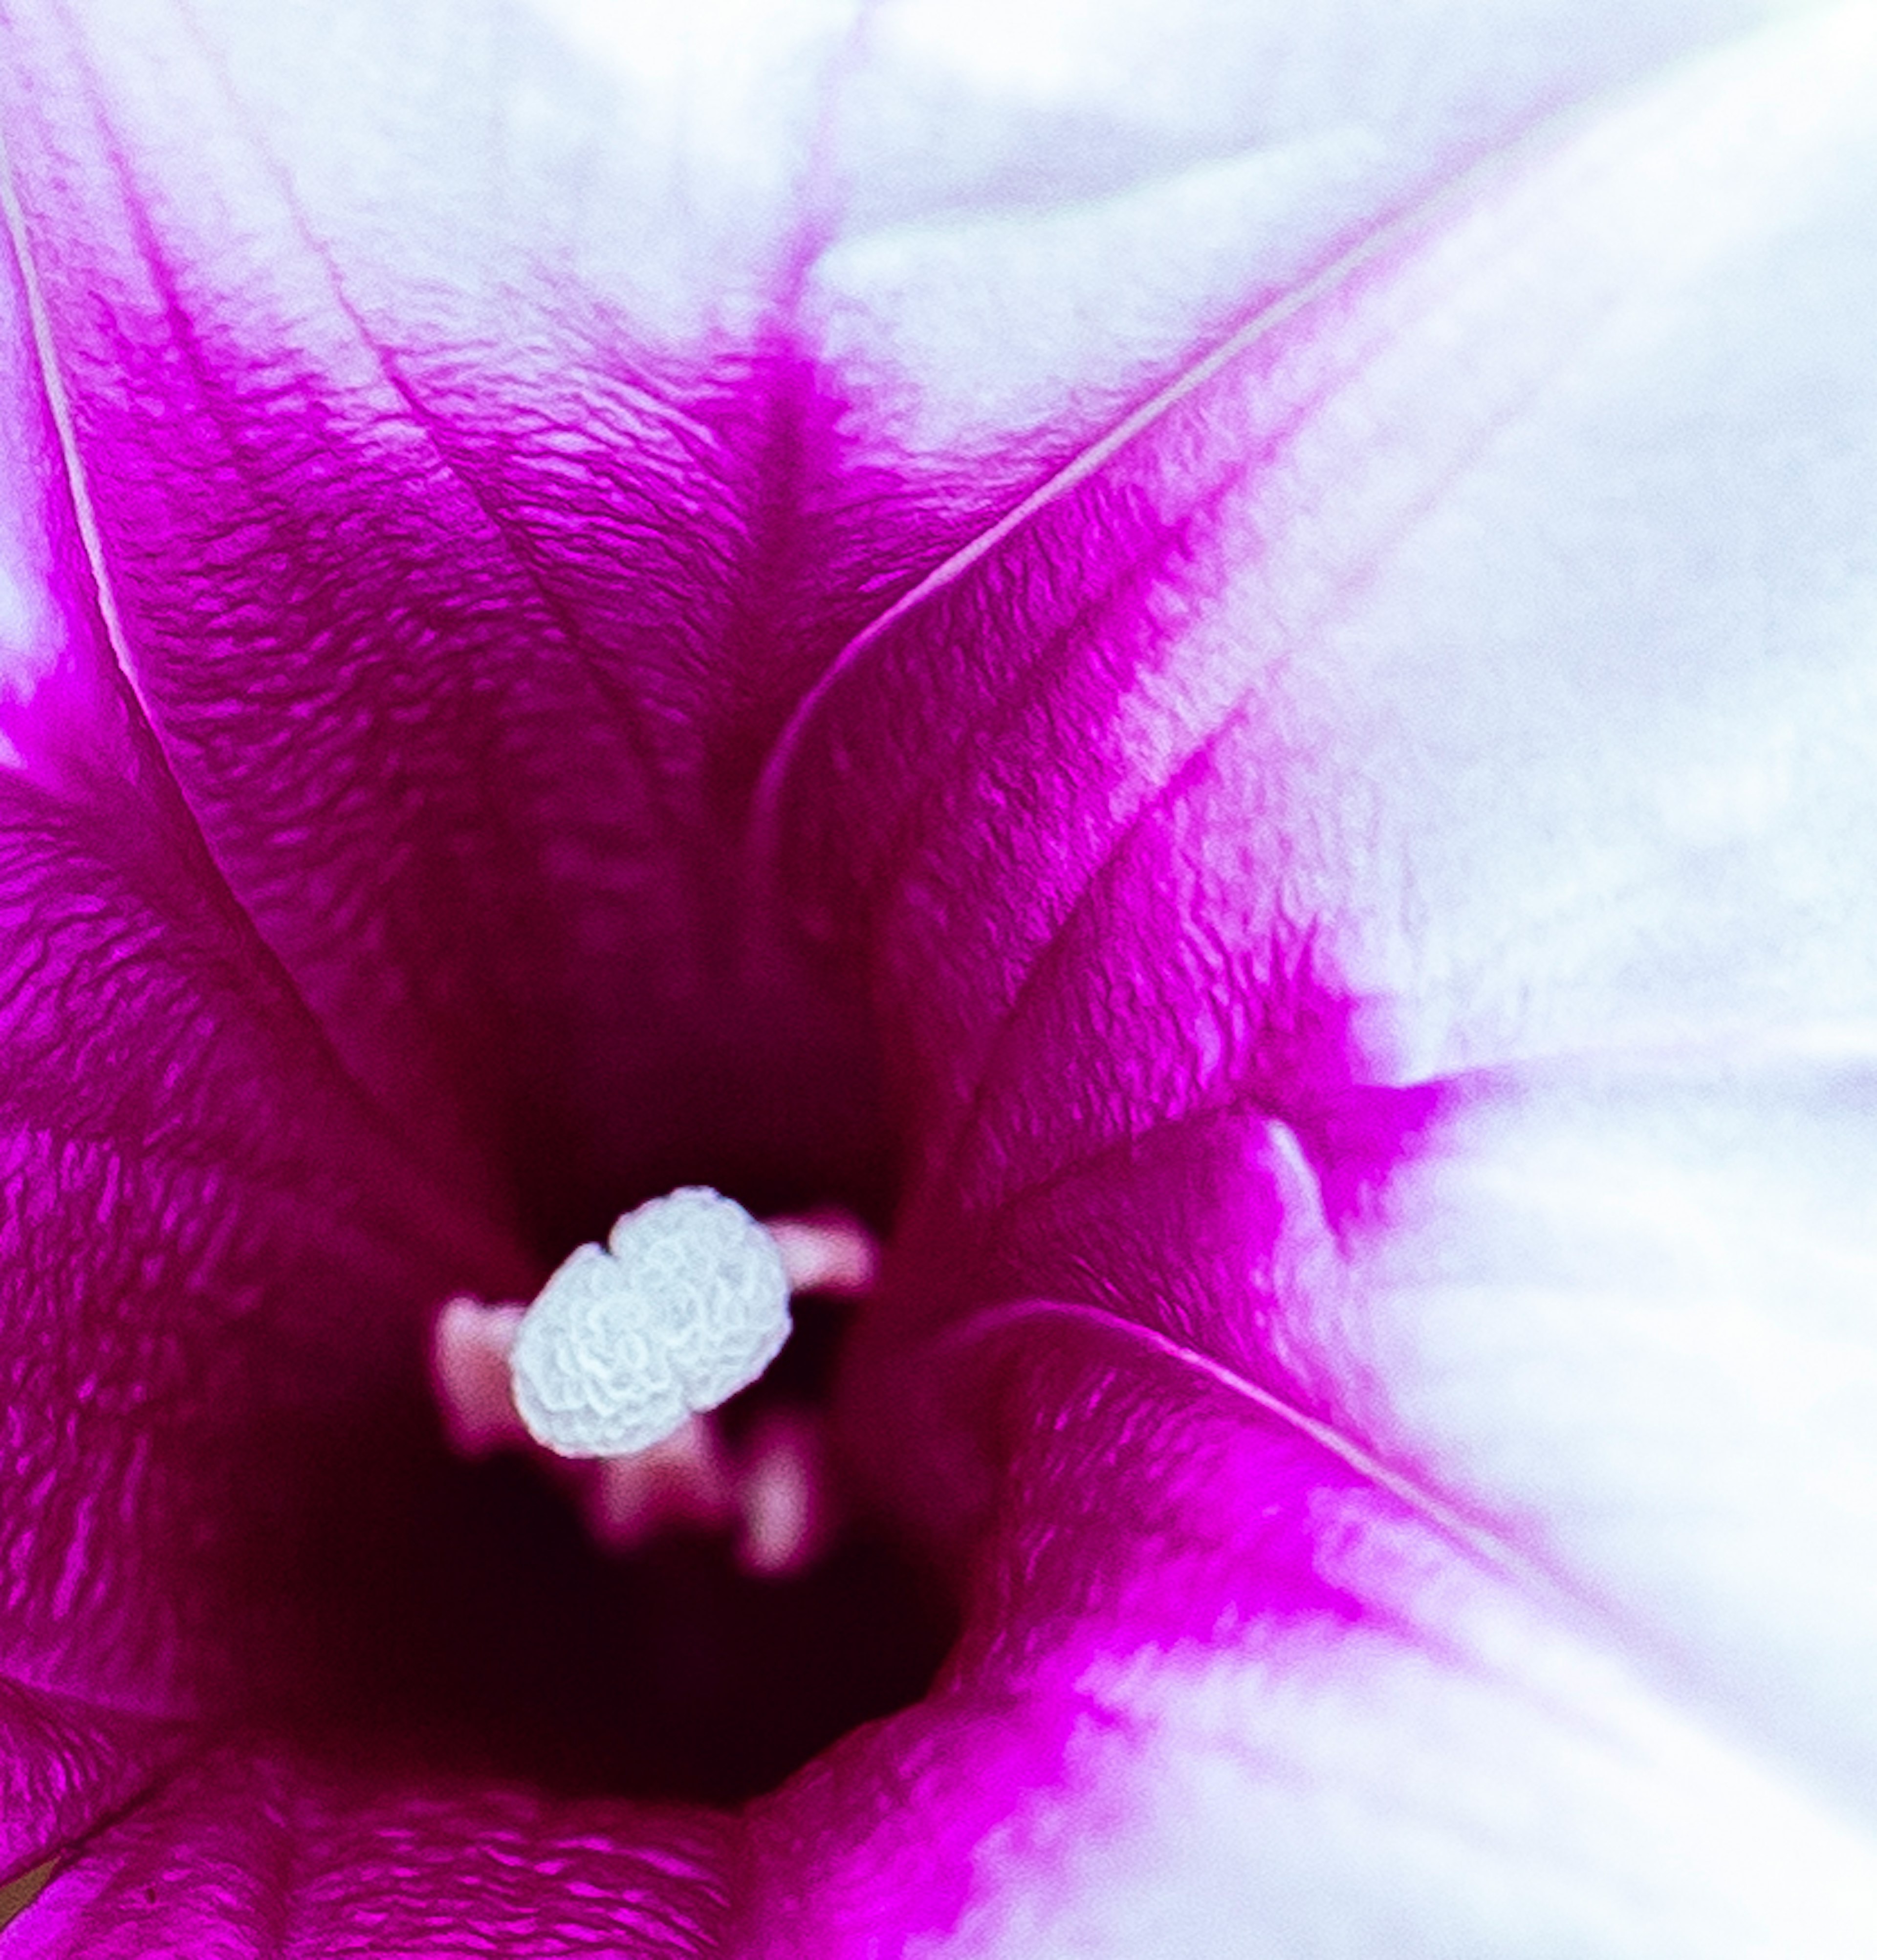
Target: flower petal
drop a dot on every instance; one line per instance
(1241, 1693)
(1386, 918)
(1162, 1004)
(443, 525)
(1223, 1691)
(212, 1258)
(490, 442)
(253, 1853)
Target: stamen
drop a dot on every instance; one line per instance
(684, 1480)
(784, 1497)
(827, 1251)
(469, 1358)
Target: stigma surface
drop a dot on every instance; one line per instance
(687, 1303)
(615, 1366)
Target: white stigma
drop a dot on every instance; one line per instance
(687, 1303)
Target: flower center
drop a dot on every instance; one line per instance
(627, 1352)
(637, 1389)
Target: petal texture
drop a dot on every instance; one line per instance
(496, 422)
(249, 1855)
(212, 1256)
(1224, 1693)
(1437, 987)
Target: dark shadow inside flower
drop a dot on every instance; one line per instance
(477, 1619)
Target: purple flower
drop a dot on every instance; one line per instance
(1220, 656)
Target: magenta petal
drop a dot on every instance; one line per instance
(1213, 1677)
(251, 1854)
(466, 575)
(1359, 882)
(488, 462)
(215, 1256)
(1221, 1684)
(65, 1764)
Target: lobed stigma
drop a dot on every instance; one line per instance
(615, 1367)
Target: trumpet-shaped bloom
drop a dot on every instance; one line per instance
(1219, 658)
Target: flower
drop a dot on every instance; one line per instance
(1237, 644)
